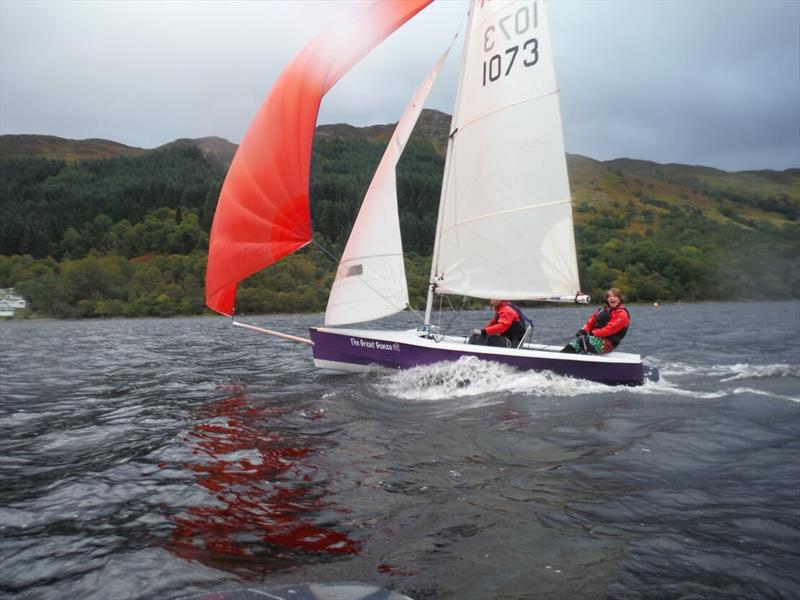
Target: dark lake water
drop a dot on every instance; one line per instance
(158, 458)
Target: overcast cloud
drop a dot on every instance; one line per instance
(711, 82)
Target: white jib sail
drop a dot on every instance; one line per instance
(371, 280)
(505, 228)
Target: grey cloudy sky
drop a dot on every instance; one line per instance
(711, 82)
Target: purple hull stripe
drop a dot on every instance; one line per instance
(363, 350)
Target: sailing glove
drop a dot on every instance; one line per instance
(581, 332)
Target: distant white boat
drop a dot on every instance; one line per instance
(10, 302)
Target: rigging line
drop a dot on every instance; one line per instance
(456, 313)
(443, 330)
(325, 251)
(415, 313)
(362, 280)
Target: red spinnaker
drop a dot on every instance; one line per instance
(263, 213)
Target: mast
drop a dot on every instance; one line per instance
(505, 195)
(447, 167)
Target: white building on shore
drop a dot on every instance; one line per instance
(10, 301)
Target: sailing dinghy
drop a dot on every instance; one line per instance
(505, 216)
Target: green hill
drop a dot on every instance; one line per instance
(95, 228)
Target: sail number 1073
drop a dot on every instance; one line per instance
(507, 29)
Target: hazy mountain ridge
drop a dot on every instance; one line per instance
(432, 125)
(50, 146)
(754, 194)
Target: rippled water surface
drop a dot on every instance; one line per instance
(159, 458)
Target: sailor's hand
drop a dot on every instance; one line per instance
(580, 332)
(476, 332)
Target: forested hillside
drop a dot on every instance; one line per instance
(126, 234)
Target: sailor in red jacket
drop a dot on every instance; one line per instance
(506, 329)
(605, 328)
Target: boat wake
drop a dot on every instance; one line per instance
(489, 382)
(471, 377)
(733, 372)
(744, 371)
(680, 379)
(752, 391)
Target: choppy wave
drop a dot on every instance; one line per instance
(214, 460)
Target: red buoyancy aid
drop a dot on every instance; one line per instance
(507, 321)
(609, 323)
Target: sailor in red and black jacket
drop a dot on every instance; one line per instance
(506, 329)
(605, 328)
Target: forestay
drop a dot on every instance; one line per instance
(371, 280)
(505, 225)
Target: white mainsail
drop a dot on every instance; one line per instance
(371, 282)
(505, 224)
